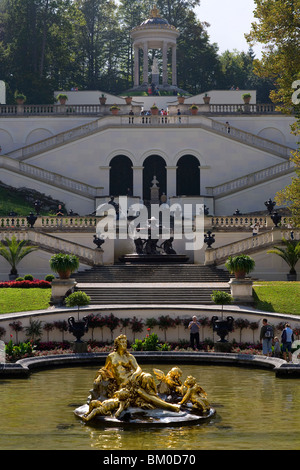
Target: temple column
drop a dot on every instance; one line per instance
(174, 66)
(136, 66)
(146, 64)
(165, 63)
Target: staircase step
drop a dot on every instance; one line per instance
(150, 295)
(152, 273)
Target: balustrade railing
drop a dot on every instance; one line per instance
(50, 222)
(247, 245)
(97, 109)
(253, 178)
(51, 243)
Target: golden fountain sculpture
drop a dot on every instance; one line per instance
(123, 392)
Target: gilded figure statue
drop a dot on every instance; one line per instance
(122, 386)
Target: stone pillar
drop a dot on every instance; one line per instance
(165, 64)
(174, 66)
(59, 288)
(241, 290)
(136, 66)
(137, 189)
(171, 181)
(146, 64)
(104, 179)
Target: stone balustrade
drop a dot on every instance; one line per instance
(251, 179)
(218, 256)
(98, 109)
(54, 244)
(51, 222)
(226, 223)
(252, 139)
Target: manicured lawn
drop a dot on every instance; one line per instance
(280, 297)
(19, 300)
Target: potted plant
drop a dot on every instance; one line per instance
(194, 109)
(114, 109)
(62, 98)
(154, 110)
(290, 254)
(64, 265)
(20, 98)
(181, 98)
(128, 99)
(246, 97)
(240, 265)
(102, 99)
(206, 99)
(14, 251)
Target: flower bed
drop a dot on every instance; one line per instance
(26, 284)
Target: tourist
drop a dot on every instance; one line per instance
(277, 347)
(266, 335)
(255, 229)
(131, 116)
(194, 327)
(287, 339)
(228, 127)
(179, 115)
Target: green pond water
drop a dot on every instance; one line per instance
(255, 411)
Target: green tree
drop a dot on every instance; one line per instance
(277, 27)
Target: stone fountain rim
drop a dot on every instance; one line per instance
(24, 367)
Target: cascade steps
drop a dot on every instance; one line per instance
(150, 295)
(142, 273)
(152, 284)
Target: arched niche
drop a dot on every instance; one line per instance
(188, 176)
(154, 165)
(121, 176)
(38, 134)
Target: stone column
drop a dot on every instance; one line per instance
(104, 179)
(137, 189)
(146, 64)
(165, 63)
(171, 181)
(174, 66)
(136, 66)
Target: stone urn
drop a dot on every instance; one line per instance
(78, 328)
(222, 327)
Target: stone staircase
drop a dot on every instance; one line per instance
(152, 284)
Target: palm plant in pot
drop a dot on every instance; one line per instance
(62, 98)
(240, 265)
(14, 251)
(19, 97)
(64, 265)
(290, 254)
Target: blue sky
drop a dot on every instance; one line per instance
(229, 20)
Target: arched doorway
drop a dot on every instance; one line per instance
(188, 176)
(121, 176)
(154, 165)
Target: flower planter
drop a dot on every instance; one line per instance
(114, 112)
(102, 101)
(194, 111)
(128, 99)
(154, 111)
(206, 99)
(181, 99)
